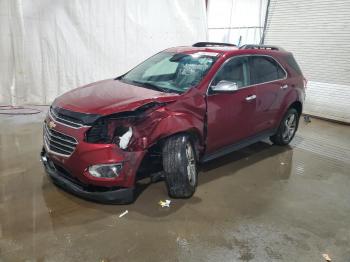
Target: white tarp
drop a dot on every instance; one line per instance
(235, 21)
(49, 47)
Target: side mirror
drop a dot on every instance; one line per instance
(225, 86)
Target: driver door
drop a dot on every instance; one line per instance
(230, 114)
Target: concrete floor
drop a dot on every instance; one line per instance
(263, 203)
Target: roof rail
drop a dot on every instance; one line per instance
(208, 44)
(266, 47)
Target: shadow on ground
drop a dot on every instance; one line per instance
(150, 194)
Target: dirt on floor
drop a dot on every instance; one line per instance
(262, 203)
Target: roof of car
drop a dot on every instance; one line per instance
(223, 48)
(191, 49)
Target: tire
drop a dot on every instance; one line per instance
(180, 166)
(287, 128)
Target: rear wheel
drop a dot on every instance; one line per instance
(287, 128)
(180, 166)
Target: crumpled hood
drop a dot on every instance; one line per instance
(110, 96)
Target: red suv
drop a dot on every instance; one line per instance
(179, 108)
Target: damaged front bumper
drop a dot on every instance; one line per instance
(75, 164)
(64, 180)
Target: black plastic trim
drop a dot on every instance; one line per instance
(83, 118)
(239, 145)
(266, 47)
(210, 44)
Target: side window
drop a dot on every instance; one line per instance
(265, 69)
(235, 70)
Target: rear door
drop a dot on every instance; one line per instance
(270, 80)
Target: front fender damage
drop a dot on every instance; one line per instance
(183, 116)
(151, 124)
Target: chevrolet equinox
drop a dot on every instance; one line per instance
(179, 108)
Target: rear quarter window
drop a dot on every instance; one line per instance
(293, 64)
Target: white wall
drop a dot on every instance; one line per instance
(49, 47)
(230, 20)
(318, 34)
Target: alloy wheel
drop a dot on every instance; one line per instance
(191, 165)
(289, 127)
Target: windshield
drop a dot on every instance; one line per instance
(171, 72)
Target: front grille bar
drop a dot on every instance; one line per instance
(63, 120)
(61, 136)
(58, 142)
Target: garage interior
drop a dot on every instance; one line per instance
(261, 203)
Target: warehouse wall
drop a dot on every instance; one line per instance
(318, 33)
(49, 47)
(236, 21)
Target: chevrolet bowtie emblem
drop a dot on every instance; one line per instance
(51, 124)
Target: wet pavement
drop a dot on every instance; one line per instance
(263, 203)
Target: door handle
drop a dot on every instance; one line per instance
(250, 98)
(284, 87)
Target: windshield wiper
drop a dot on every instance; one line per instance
(152, 86)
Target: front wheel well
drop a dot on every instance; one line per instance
(152, 161)
(195, 138)
(297, 106)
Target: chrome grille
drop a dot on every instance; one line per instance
(66, 120)
(59, 143)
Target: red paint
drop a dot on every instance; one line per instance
(228, 117)
(109, 96)
(235, 115)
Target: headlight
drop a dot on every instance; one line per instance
(106, 131)
(98, 133)
(116, 128)
(105, 170)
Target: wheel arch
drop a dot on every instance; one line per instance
(297, 105)
(195, 137)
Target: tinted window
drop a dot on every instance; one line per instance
(293, 64)
(265, 69)
(235, 70)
